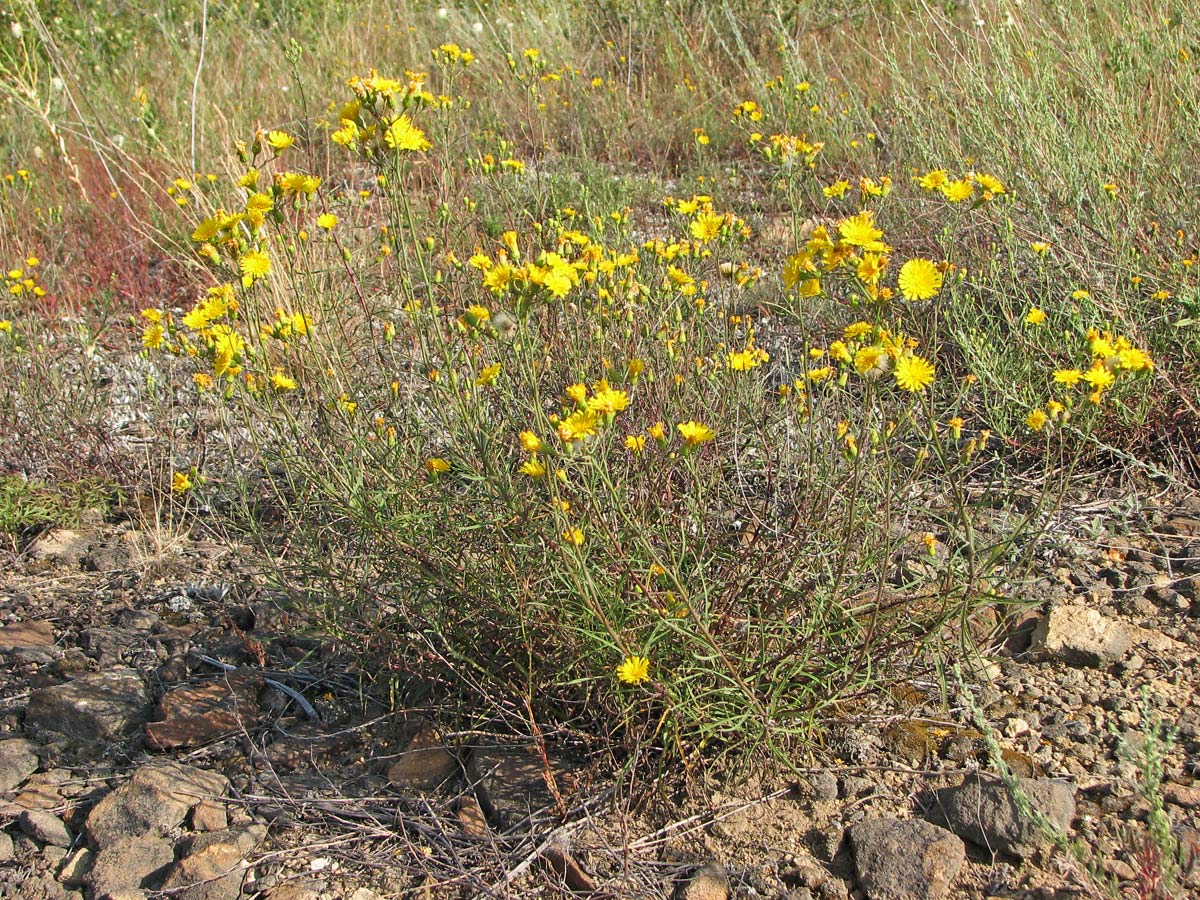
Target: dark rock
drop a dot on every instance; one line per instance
(155, 800)
(983, 812)
(899, 859)
(99, 707)
(18, 760)
(823, 787)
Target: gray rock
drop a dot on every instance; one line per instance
(905, 859)
(1081, 636)
(213, 865)
(298, 889)
(138, 863)
(45, 827)
(153, 801)
(99, 707)
(823, 787)
(6, 847)
(983, 812)
(18, 760)
(60, 546)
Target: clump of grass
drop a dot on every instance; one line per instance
(29, 505)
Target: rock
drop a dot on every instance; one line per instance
(823, 787)
(299, 889)
(137, 863)
(6, 847)
(510, 781)
(981, 811)
(1081, 636)
(98, 707)
(209, 815)
(905, 859)
(153, 801)
(43, 790)
(45, 827)
(18, 760)
(213, 867)
(471, 817)
(425, 764)
(43, 887)
(75, 868)
(59, 547)
(365, 894)
(307, 745)
(197, 714)
(709, 882)
(1185, 795)
(26, 636)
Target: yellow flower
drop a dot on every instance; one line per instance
(693, 433)
(1035, 316)
(857, 330)
(1041, 248)
(920, 279)
(578, 425)
(634, 670)
(635, 443)
(255, 265)
(1133, 360)
(658, 431)
(1069, 377)
(488, 374)
(403, 135)
(933, 181)
(989, 183)
(871, 267)
(574, 537)
(533, 468)
(531, 442)
(280, 140)
(745, 360)
(706, 226)
(914, 373)
(871, 361)
(282, 382)
(152, 336)
(860, 231)
(608, 400)
(181, 482)
(577, 393)
(958, 191)
(1036, 420)
(294, 183)
(327, 221)
(956, 426)
(837, 189)
(476, 315)
(1099, 377)
(435, 465)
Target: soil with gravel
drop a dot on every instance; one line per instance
(171, 727)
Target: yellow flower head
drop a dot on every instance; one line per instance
(531, 442)
(404, 136)
(1036, 420)
(1035, 316)
(920, 279)
(634, 670)
(914, 373)
(280, 140)
(694, 433)
(435, 465)
(574, 537)
(181, 482)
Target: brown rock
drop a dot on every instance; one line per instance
(75, 868)
(197, 714)
(59, 547)
(1081, 636)
(43, 790)
(45, 827)
(153, 801)
(905, 859)
(213, 867)
(709, 882)
(209, 815)
(471, 817)
(26, 635)
(425, 764)
(299, 889)
(138, 863)
(1185, 795)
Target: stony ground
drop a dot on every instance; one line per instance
(168, 728)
